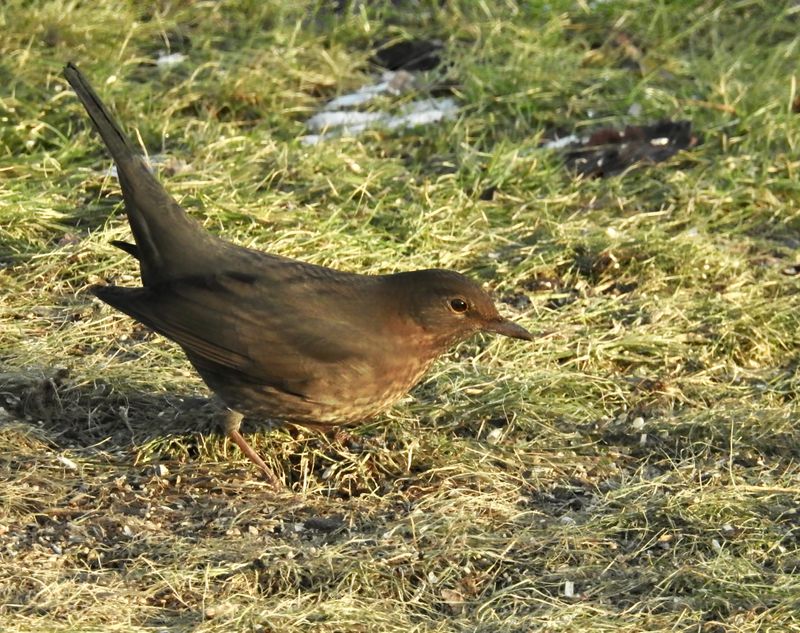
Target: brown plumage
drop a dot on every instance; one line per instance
(272, 336)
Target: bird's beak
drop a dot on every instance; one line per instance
(508, 328)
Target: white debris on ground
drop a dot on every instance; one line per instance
(339, 118)
(565, 141)
(169, 59)
(393, 83)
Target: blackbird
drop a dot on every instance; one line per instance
(272, 336)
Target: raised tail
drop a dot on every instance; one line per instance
(117, 143)
(169, 244)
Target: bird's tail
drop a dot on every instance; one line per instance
(168, 242)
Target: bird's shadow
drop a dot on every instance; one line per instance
(102, 422)
(70, 414)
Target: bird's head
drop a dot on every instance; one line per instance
(451, 307)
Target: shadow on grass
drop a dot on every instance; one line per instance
(73, 415)
(102, 423)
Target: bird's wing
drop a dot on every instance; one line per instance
(281, 335)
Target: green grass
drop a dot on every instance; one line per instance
(644, 448)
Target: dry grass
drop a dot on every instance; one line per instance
(643, 451)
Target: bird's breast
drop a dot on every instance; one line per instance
(335, 394)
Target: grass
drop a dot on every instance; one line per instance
(634, 469)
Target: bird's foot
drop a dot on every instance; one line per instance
(348, 440)
(230, 423)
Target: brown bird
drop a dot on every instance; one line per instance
(272, 336)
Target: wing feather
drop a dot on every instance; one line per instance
(266, 332)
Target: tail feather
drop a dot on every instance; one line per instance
(115, 139)
(127, 247)
(169, 243)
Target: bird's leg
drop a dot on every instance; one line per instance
(343, 437)
(338, 434)
(334, 434)
(230, 423)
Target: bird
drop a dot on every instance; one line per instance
(274, 337)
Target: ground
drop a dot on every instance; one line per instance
(635, 468)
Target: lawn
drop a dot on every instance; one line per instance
(635, 468)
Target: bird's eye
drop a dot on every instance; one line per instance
(458, 305)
